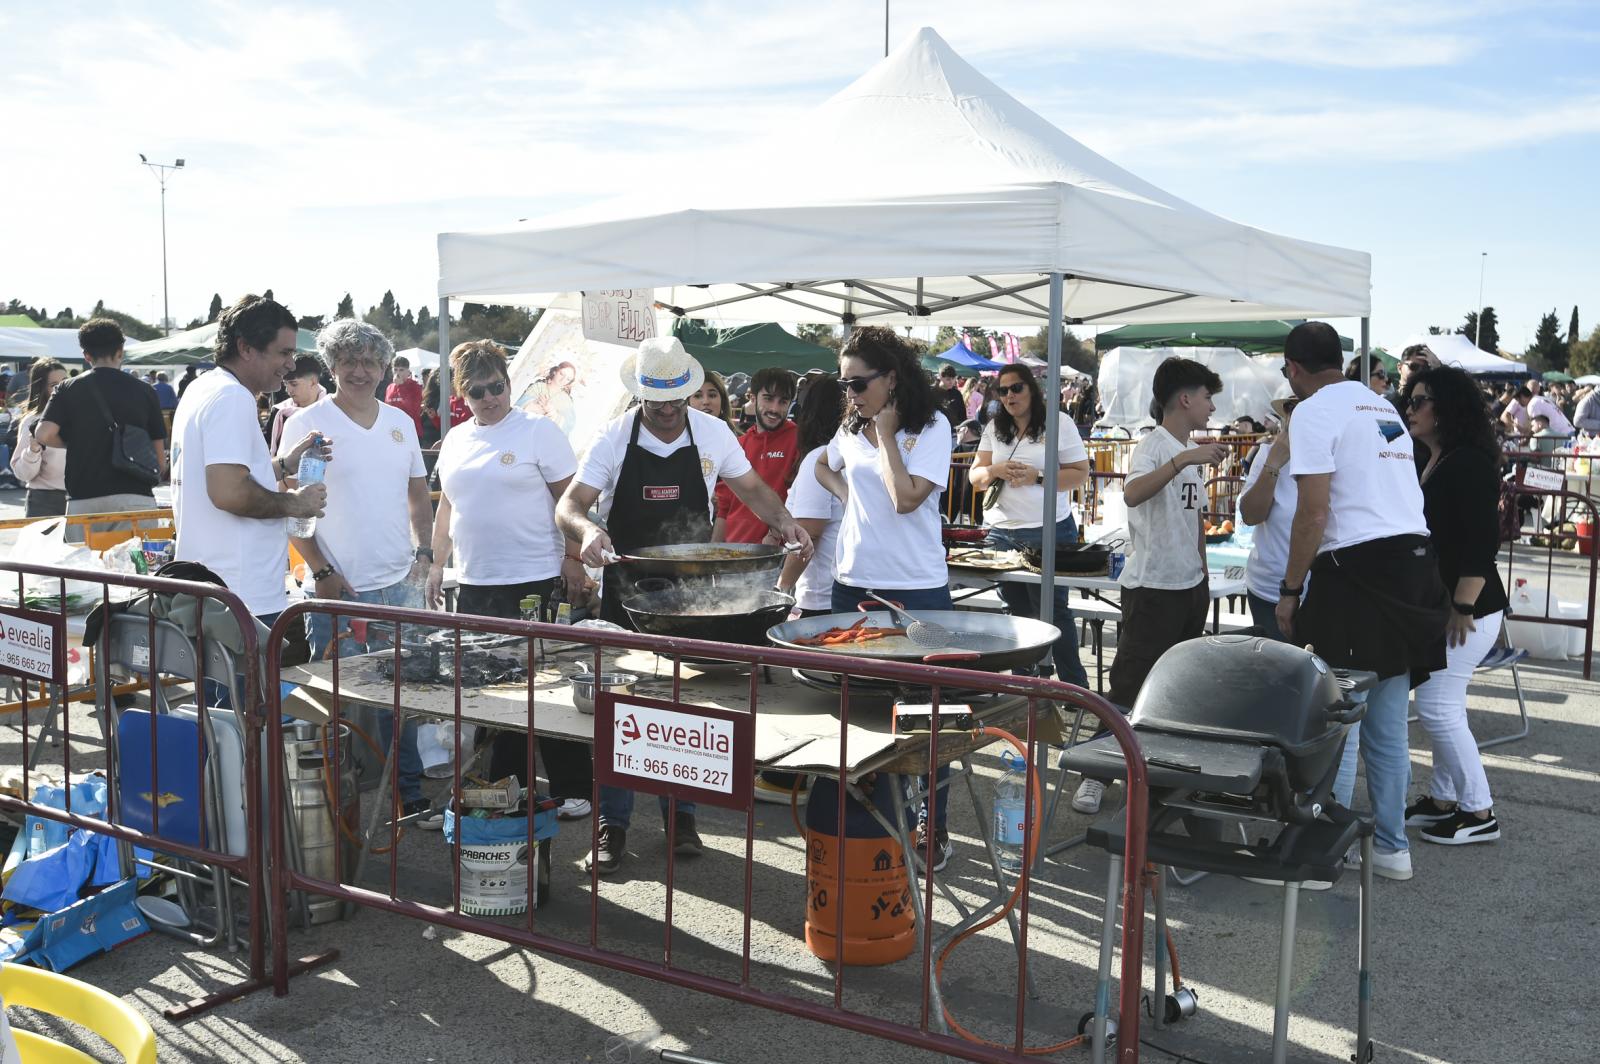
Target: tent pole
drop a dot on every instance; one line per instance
(1052, 458)
(444, 368)
(1366, 352)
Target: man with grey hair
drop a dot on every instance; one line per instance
(372, 542)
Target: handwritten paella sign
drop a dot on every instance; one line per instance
(33, 644)
(693, 753)
(620, 315)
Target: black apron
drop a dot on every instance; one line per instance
(1378, 605)
(657, 501)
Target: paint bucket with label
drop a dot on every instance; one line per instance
(495, 858)
(877, 898)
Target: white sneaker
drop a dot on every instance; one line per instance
(1395, 865)
(574, 808)
(1087, 799)
(1309, 884)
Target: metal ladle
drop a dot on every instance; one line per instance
(925, 634)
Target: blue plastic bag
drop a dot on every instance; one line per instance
(88, 799)
(479, 832)
(53, 879)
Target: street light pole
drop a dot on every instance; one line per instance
(1483, 263)
(160, 170)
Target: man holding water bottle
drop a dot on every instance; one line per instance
(229, 515)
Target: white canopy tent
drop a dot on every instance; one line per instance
(1456, 349)
(420, 359)
(1126, 373)
(40, 343)
(926, 195)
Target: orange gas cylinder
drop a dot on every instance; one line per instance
(877, 899)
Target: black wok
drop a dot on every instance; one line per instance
(724, 615)
(704, 559)
(992, 642)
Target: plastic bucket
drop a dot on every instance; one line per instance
(1585, 529)
(877, 899)
(495, 858)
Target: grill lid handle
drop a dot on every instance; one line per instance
(1347, 711)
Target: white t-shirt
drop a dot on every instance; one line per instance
(720, 453)
(502, 515)
(1023, 507)
(1269, 548)
(1519, 415)
(1347, 431)
(365, 529)
(1559, 424)
(879, 548)
(216, 424)
(808, 499)
(1164, 530)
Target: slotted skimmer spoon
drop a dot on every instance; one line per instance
(925, 634)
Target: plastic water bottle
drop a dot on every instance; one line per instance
(1010, 811)
(312, 469)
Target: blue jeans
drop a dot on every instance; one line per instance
(1264, 612)
(1385, 746)
(319, 633)
(1022, 600)
(847, 598)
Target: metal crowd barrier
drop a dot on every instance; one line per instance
(526, 933)
(1567, 506)
(249, 869)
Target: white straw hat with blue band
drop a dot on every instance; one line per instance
(662, 370)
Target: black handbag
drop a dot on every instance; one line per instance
(991, 494)
(132, 450)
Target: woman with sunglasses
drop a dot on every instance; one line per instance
(1460, 472)
(501, 471)
(1011, 454)
(887, 463)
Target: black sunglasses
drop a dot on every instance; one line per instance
(1417, 402)
(859, 384)
(478, 391)
(1010, 389)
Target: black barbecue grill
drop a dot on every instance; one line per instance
(1241, 731)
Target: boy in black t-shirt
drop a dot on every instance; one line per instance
(76, 419)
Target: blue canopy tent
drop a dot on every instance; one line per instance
(966, 361)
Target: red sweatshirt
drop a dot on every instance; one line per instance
(772, 454)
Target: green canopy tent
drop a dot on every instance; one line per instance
(1556, 376)
(17, 321)
(751, 347)
(195, 345)
(1251, 337)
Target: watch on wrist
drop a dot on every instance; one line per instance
(1039, 477)
(1466, 609)
(323, 573)
(1285, 591)
(423, 552)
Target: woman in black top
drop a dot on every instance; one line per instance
(1459, 465)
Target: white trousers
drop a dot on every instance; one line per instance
(1442, 707)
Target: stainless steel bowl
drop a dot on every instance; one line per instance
(584, 686)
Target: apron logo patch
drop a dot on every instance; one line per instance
(508, 458)
(397, 436)
(662, 493)
(908, 444)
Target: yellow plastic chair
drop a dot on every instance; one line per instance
(105, 1014)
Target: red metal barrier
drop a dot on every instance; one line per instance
(936, 679)
(1567, 506)
(250, 868)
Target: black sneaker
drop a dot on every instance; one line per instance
(1462, 828)
(608, 854)
(1425, 811)
(427, 817)
(941, 849)
(686, 839)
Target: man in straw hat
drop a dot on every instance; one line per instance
(652, 472)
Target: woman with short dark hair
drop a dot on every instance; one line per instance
(1460, 474)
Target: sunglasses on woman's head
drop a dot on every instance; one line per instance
(859, 384)
(478, 391)
(1010, 389)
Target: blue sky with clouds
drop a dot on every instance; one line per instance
(327, 145)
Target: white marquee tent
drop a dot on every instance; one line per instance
(1248, 388)
(29, 344)
(926, 194)
(420, 359)
(1456, 349)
